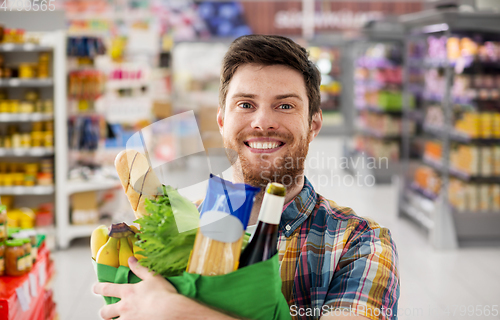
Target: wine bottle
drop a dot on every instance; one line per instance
(263, 244)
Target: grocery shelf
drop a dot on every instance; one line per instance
(423, 193)
(448, 228)
(76, 186)
(457, 136)
(416, 214)
(25, 117)
(380, 110)
(26, 152)
(464, 176)
(471, 224)
(16, 82)
(15, 47)
(375, 134)
(20, 190)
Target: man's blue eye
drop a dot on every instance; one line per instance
(245, 105)
(285, 106)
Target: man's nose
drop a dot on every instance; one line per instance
(265, 119)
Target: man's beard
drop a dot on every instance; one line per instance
(284, 169)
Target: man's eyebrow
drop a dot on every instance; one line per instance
(278, 97)
(244, 95)
(288, 95)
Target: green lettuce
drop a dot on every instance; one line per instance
(167, 250)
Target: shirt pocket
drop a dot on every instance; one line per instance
(318, 296)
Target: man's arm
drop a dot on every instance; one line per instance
(152, 298)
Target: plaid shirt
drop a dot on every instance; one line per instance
(333, 261)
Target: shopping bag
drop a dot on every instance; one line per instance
(253, 292)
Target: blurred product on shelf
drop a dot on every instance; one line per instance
(3, 223)
(27, 218)
(382, 125)
(19, 252)
(427, 180)
(86, 84)
(452, 49)
(466, 160)
(474, 197)
(26, 70)
(40, 135)
(377, 148)
(86, 132)
(84, 208)
(327, 59)
(469, 124)
(27, 174)
(12, 35)
(85, 47)
(23, 218)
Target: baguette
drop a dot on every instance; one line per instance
(138, 179)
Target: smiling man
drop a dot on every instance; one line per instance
(333, 263)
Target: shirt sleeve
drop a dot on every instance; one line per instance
(366, 279)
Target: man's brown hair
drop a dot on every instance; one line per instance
(270, 50)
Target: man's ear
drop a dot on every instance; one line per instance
(220, 119)
(316, 124)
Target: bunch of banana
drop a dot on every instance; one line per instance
(113, 248)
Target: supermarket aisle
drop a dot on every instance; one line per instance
(433, 283)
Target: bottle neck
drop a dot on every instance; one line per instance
(271, 209)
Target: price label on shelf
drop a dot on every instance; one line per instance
(23, 298)
(26, 286)
(29, 47)
(42, 273)
(33, 285)
(14, 82)
(8, 47)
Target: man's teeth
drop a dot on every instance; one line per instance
(265, 145)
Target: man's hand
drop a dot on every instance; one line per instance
(152, 298)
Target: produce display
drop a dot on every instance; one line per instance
(187, 246)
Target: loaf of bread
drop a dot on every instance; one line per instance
(138, 179)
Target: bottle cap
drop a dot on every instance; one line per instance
(276, 188)
(14, 243)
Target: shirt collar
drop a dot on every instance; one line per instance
(299, 210)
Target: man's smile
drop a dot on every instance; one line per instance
(263, 145)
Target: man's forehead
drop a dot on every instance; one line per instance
(247, 81)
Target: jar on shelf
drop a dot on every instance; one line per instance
(37, 138)
(27, 107)
(39, 106)
(29, 179)
(48, 140)
(8, 179)
(28, 261)
(2, 260)
(18, 179)
(16, 140)
(31, 95)
(25, 140)
(48, 106)
(4, 106)
(3, 225)
(44, 178)
(31, 233)
(14, 258)
(14, 106)
(26, 71)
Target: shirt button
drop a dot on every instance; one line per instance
(288, 228)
